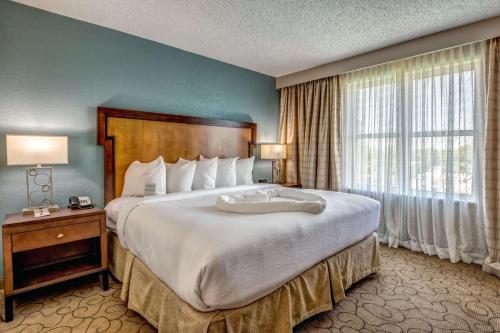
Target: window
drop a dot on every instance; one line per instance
(442, 133)
(414, 127)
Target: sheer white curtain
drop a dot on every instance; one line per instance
(413, 139)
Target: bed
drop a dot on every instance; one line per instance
(187, 267)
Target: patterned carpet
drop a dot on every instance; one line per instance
(412, 293)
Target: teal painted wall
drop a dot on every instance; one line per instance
(55, 71)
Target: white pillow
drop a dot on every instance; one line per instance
(138, 175)
(180, 176)
(244, 171)
(226, 172)
(205, 173)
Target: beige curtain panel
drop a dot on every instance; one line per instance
(310, 126)
(492, 160)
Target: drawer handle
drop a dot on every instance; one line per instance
(60, 235)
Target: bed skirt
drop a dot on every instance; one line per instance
(312, 292)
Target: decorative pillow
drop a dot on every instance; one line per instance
(180, 176)
(204, 174)
(226, 172)
(145, 179)
(244, 171)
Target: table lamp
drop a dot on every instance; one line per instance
(37, 150)
(274, 152)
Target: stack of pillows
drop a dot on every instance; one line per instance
(158, 177)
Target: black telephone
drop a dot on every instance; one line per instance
(80, 202)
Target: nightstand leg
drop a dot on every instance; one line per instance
(105, 280)
(9, 308)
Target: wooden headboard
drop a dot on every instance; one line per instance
(129, 135)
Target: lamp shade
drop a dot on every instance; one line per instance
(272, 151)
(35, 149)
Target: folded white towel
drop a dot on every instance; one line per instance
(272, 200)
(259, 196)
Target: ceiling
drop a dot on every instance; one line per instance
(275, 37)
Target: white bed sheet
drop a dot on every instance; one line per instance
(218, 260)
(115, 206)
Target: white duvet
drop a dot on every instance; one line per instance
(218, 260)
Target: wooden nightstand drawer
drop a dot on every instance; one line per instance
(52, 236)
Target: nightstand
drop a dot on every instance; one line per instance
(39, 252)
(296, 185)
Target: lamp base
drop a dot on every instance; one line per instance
(39, 187)
(276, 171)
(31, 210)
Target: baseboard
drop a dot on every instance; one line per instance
(1, 283)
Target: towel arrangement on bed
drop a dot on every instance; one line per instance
(272, 200)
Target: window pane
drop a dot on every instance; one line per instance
(434, 110)
(442, 164)
(378, 161)
(376, 109)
